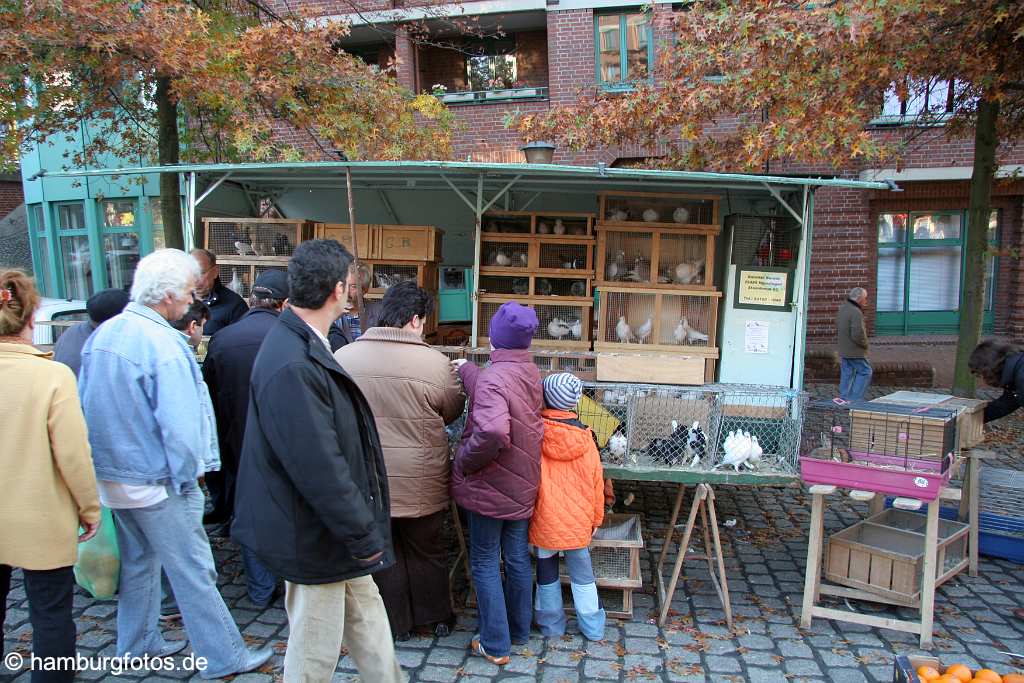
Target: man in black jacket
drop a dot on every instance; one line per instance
(226, 306)
(312, 494)
(227, 369)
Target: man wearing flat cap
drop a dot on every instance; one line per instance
(101, 306)
(229, 360)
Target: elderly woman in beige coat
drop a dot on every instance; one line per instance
(413, 393)
(49, 487)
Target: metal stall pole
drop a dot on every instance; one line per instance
(355, 243)
(800, 347)
(190, 220)
(477, 239)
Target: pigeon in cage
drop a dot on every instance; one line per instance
(236, 283)
(737, 447)
(260, 248)
(244, 248)
(644, 331)
(696, 444)
(570, 264)
(500, 258)
(384, 280)
(542, 287)
(578, 288)
(559, 228)
(623, 332)
(521, 286)
(755, 450)
(688, 272)
(617, 447)
(522, 259)
(618, 215)
(684, 334)
(282, 245)
(543, 228)
(558, 328)
(617, 268)
(827, 450)
(576, 329)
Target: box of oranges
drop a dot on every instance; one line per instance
(910, 669)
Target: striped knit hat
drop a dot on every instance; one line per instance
(562, 391)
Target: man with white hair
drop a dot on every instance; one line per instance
(855, 369)
(152, 436)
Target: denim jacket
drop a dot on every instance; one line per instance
(146, 405)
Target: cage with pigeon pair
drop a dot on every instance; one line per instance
(885, 448)
(731, 429)
(255, 237)
(563, 323)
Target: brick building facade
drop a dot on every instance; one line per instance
(554, 44)
(11, 194)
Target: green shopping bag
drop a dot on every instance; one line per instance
(98, 568)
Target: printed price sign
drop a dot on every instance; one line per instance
(764, 288)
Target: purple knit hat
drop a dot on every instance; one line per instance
(512, 327)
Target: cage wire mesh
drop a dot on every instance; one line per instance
(627, 256)
(505, 284)
(564, 256)
(270, 237)
(575, 226)
(682, 258)
(1004, 491)
(507, 224)
(885, 435)
(496, 254)
(560, 286)
(628, 317)
(385, 275)
(685, 319)
(562, 322)
(772, 241)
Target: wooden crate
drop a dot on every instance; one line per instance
(615, 553)
(628, 208)
(644, 256)
(388, 242)
(970, 419)
(240, 272)
(654, 368)
(929, 435)
(616, 602)
(884, 554)
(507, 254)
(567, 309)
(256, 237)
(493, 281)
(538, 223)
(665, 310)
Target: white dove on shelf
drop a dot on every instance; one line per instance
(737, 448)
(684, 334)
(644, 331)
(558, 328)
(623, 332)
(244, 248)
(755, 450)
(559, 228)
(523, 259)
(576, 329)
(570, 264)
(236, 283)
(502, 259)
(679, 334)
(688, 272)
(616, 268)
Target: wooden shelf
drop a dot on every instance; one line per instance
(531, 223)
(665, 310)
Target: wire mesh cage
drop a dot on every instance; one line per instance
(759, 428)
(508, 223)
(384, 274)
(255, 236)
(563, 324)
(239, 274)
(615, 552)
(771, 241)
(505, 254)
(563, 256)
(518, 285)
(880, 447)
(578, 288)
(578, 225)
(664, 209)
(687, 319)
(627, 317)
(683, 259)
(625, 256)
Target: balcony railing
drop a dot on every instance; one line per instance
(492, 96)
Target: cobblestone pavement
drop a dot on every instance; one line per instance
(765, 552)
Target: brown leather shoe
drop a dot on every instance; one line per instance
(478, 649)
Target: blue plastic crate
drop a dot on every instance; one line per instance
(998, 535)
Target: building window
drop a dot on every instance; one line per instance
(624, 49)
(929, 101)
(156, 217)
(75, 255)
(120, 240)
(37, 229)
(492, 66)
(920, 268)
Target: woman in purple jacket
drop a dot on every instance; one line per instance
(495, 478)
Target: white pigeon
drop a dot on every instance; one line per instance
(576, 329)
(755, 450)
(236, 283)
(558, 328)
(617, 445)
(644, 331)
(623, 331)
(559, 228)
(569, 265)
(737, 455)
(523, 259)
(244, 248)
(616, 268)
(688, 271)
(730, 442)
(693, 335)
(259, 249)
(679, 334)
(543, 228)
(502, 259)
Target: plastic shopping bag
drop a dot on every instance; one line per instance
(98, 569)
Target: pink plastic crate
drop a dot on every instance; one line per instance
(919, 484)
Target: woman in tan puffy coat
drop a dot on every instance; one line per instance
(414, 393)
(570, 505)
(49, 486)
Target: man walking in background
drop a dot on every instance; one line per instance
(228, 366)
(312, 497)
(854, 369)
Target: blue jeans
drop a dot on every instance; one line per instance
(170, 534)
(548, 611)
(259, 580)
(505, 611)
(854, 378)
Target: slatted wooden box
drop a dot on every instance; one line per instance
(658, 320)
(926, 435)
(884, 554)
(538, 223)
(533, 285)
(654, 368)
(642, 256)
(575, 313)
(388, 242)
(260, 237)
(658, 209)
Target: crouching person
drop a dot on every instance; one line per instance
(570, 505)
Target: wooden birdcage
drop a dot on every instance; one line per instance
(240, 273)
(388, 242)
(255, 237)
(648, 320)
(562, 323)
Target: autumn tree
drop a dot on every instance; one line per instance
(805, 78)
(200, 80)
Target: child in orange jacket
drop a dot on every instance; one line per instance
(570, 505)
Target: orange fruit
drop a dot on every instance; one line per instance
(988, 675)
(960, 672)
(1013, 678)
(928, 673)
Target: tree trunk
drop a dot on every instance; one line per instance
(972, 307)
(168, 153)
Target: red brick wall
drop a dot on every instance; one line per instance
(11, 197)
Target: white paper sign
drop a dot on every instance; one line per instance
(755, 339)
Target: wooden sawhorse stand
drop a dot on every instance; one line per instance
(814, 588)
(703, 503)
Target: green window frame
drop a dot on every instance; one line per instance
(121, 237)
(902, 237)
(80, 271)
(612, 32)
(41, 244)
